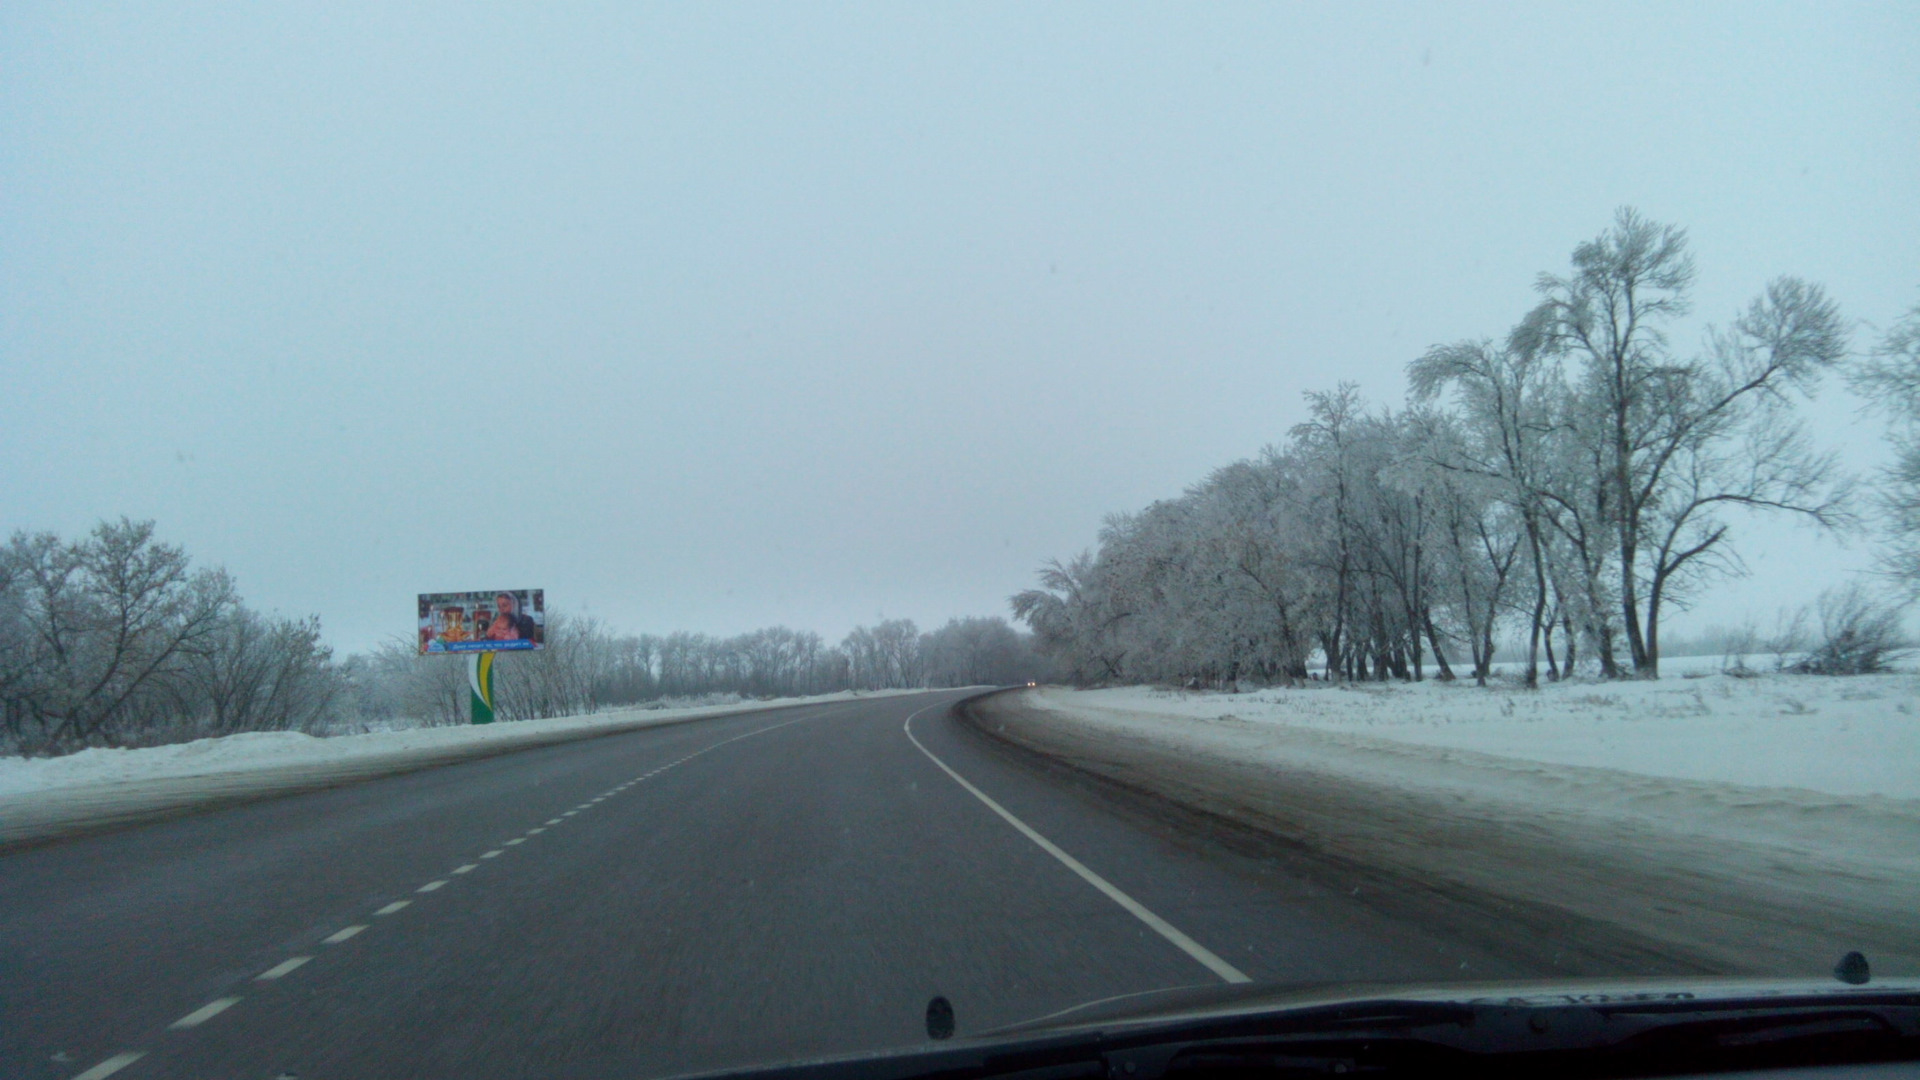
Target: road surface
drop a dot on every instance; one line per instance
(754, 887)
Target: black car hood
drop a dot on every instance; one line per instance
(1112, 1026)
(1195, 1003)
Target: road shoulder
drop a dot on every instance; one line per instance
(1553, 859)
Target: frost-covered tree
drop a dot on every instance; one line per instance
(1890, 380)
(976, 652)
(1574, 474)
(98, 629)
(1505, 397)
(1683, 438)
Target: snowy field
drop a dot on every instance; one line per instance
(1857, 735)
(42, 797)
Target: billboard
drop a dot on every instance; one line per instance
(460, 622)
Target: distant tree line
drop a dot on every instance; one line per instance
(115, 639)
(587, 667)
(1567, 483)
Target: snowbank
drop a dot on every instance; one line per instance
(1844, 736)
(46, 797)
(1738, 825)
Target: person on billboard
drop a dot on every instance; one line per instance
(511, 624)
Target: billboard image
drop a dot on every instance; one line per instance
(483, 621)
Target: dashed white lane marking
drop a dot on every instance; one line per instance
(112, 1065)
(281, 968)
(211, 1009)
(204, 1013)
(536, 831)
(1206, 957)
(219, 1005)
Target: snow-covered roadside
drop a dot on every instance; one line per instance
(1754, 824)
(44, 797)
(1843, 736)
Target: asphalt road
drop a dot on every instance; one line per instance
(755, 887)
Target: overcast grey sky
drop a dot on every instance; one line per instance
(711, 317)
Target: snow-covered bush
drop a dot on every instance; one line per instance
(1858, 635)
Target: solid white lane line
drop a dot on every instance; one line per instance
(204, 1013)
(1206, 957)
(112, 1065)
(494, 854)
(431, 885)
(393, 907)
(342, 935)
(281, 968)
(467, 869)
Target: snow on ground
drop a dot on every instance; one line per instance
(1857, 735)
(41, 798)
(262, 750)
(1760, 821)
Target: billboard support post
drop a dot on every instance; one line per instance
(480, 685)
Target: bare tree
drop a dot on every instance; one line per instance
(1505, 395)
(1685, 438)
(1858, 635)
(1325, 443)
(1890, 380)
(97, 624)
(260, 674)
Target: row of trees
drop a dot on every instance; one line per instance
(585, 667)
(115, 639)
(1572, 477)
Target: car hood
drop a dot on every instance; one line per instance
(1197, 1003)
(1114, 1025)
